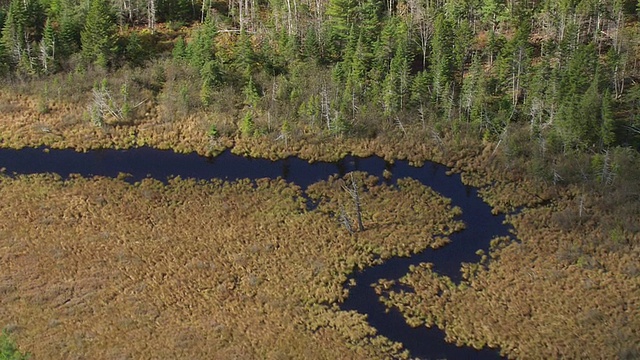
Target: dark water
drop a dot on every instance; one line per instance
(141, 163)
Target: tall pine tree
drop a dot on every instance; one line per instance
(14, 33)
(99, 35)
(442, 54)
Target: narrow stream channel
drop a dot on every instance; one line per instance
(421, 342)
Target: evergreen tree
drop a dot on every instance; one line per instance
(492, 12)
(48, 48)
(587, 123)
(513, 64)
(4, 56)
(201, 49)
(251, 94)
(245, 57)
(4, 60)
(442, 53)
(14, 33)
(396, 85)
(69, 30)
(311, 45)
(355, 71)
(180, 11)
(342, 15)
(135, 52)
(384, 50)
(474, 97)
(370, 13)
(179, 51)
(607, 132)
(247, 126)
(98, 38)
(211, 77)
(420, 89)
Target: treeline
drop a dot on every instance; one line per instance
(566, 70)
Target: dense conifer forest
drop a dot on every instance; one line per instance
(565, 71)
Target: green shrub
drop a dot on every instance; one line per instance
(9, 350)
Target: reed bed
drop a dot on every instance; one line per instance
(568, 287)
(99, 268)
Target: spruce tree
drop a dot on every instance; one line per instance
(14, 33)
(99, 36)
(442, 53)
(396, 84)
(70, 25)
(4, 60)
(342, 15)
(607, 130)
(201, 49)
(48, 48)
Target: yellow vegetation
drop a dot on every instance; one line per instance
(98, 268)
(564, 289)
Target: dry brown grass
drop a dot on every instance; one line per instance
(100, 269)
(165, 125)
(561, 291)
(568, 288)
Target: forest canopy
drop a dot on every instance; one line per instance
(567, 69)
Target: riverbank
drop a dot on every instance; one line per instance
(577, 240)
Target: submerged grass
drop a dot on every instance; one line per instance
(98, 268)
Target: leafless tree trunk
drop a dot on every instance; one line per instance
(324, 107)
(344, 220)
(353, 191)
(151, 14)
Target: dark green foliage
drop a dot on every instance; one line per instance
(251, 94)
(3, 16)
(475, 97)
(607, 132)
(8, 349)
(311, 45)
(211, 77)
(4, 55)
(176, 11)
(420, 89)
(47, 49)
(135, 51)
(247, 126)
(341, 18)
(479, 64)
(98, 38)
(397, 81)
(179, 51)
(245, 57)
(70, 25)
(14, 33)
(579, 100)
(442, 54)
(201, 49)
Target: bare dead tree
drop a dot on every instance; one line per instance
(344, 220)
(103, 105)
(151, 14)
(355, 195)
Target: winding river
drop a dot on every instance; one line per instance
(421, 342)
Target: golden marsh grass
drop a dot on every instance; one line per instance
(98, 268)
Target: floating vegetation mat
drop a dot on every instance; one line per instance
(99, 268)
